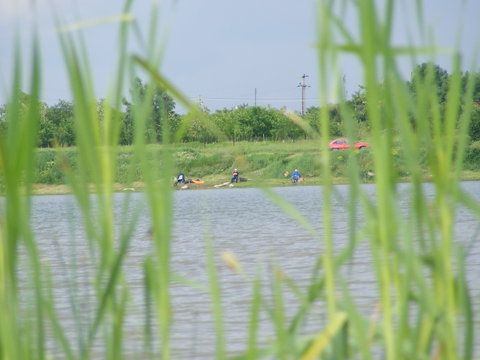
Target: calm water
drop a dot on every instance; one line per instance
(241, 221)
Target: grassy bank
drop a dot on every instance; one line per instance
(262, 163)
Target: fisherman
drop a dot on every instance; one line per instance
(235, 176)
(180, 179)
(296, 176)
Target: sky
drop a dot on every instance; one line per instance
(223, 52)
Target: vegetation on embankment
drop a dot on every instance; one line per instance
(263, 163)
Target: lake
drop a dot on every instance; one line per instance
(241, 221)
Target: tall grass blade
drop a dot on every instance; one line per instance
(291, 211)
(252, 347)
(57, 328)
(107, 293)
(285, 345)
(324, 339)
(220, 352)
(17, 151)
(325, 49)
(9, 326)
(466, 308)
(85, 24)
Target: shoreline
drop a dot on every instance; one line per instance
(63, 189)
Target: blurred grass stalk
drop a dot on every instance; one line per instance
(420, 316)
(404, 249)
(17, 148)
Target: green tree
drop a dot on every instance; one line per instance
(226, 120)
(256, 123)
(127, 130)
(475, 77)
(474, 130)
(284, 128)
(358, 105)
(199, 127)
(313, 116)
(57, 127)
(232, 123)
(162, 110)
(24, 100)
(259, 121)
(441, 79)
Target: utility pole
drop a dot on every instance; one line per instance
(255, 97)
(303, 85)
(200, 102)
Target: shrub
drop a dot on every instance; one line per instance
(472, 156)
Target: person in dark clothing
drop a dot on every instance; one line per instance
(235, 176)
(181, 179)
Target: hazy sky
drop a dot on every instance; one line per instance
(220, 51)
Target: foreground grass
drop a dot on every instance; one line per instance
(424, 308)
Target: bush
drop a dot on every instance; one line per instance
(472, 156)
(52, 164)
(474, 130)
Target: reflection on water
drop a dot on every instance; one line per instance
(241, 221)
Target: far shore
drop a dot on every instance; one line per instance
(62, 189)
(264, 164)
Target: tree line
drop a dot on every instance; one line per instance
(242, 123)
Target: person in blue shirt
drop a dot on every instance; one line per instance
(296, 176)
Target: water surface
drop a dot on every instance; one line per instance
(241, 221)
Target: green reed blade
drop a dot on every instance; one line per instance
(315, 291)
(163, 83)
(465, 307)
(9, 326)
(283, 341)
(252, 347)
(30, 134)
(291, 211)
(108, 291)
(324, 339)
(215, 295)
(18, 152)
(85, 24)
(359, 325)
(302, 124)
(295, 289)
(117, 339)
(149, 291)
(58, 330)
(325, 39)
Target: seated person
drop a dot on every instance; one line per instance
(181, 178)
(296, 176)
(235, 176)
